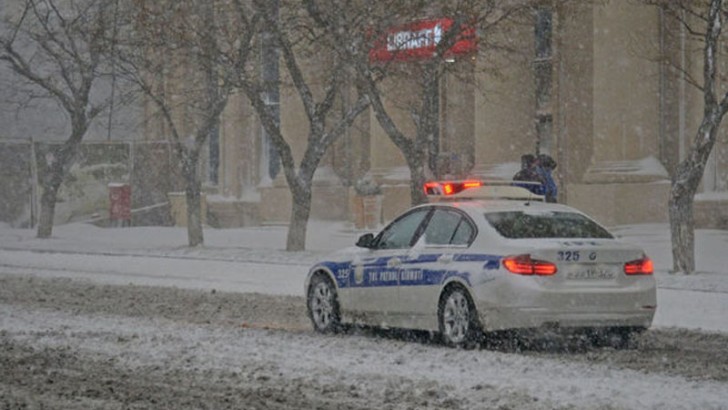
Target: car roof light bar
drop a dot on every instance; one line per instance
(478, 189)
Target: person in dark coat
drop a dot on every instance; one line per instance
(529, 173)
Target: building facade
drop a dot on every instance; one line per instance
(602, 88)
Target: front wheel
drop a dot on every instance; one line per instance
(617, 337)
(323, 305)
(458, 318)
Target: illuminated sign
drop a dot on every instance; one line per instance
(419, 41)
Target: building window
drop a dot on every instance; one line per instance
(542, 73)
(544, 130)
(543, 30)
(214, 153)
(270, 164)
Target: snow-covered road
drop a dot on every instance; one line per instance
(72, 344)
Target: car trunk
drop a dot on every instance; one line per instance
(585, 264)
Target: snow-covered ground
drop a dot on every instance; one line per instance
(64, 342)
(254, 260)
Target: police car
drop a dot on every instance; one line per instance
(480, 258)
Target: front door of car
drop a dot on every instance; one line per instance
(433, 259)
(376, 274)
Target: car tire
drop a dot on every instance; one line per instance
(323, 305)
(458, 318)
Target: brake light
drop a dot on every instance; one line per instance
(524, 265)
(642, 266)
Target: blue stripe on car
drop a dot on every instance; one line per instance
(376, 273)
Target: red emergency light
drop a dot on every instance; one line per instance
(479, 189)
(450, 187)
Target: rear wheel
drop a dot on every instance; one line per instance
(323, 305)
(627, 337)
(458, 318)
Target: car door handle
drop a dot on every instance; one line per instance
(447, 258)
(394, 263)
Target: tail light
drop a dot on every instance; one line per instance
(642, 266)
(524, 265)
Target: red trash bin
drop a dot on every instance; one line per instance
(120, 204)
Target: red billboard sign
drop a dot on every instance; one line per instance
(419, 40)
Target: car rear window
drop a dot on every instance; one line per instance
(520, 224)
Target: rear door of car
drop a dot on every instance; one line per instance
(437, 255)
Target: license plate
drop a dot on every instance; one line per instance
(591, 273)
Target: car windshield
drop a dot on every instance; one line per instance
(519, 224)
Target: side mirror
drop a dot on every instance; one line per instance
(365, 241)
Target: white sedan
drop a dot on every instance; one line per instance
(465, 265)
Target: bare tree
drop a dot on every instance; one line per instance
(467, 18)
(184, 57)
(300, 42)
(58, 47)
(704, 20)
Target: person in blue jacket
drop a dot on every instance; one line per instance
(545, 165)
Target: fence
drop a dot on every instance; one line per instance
(150, 167)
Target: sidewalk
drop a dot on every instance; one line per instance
(257, 244)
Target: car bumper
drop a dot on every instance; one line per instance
(502, 308)
(525, 318)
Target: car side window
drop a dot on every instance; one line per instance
(463, 234)
(448, 228)
(401, 232)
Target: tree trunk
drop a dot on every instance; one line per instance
(416, 164)
(47, 210)
(685, 184)
(195, 235)
(690, 170)
(417, 184)
(682, 229)
(194, 205)
(301, 210)
(53, 177)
